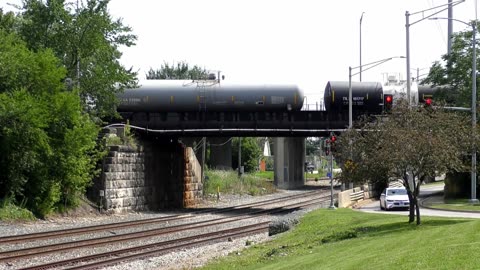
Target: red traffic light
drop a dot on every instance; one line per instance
(387, 103)
(333, 138)
(388, 99)
(428, 101)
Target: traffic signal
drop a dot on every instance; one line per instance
(387, 103)
(332, 139)
(428, 102)
(327, 147)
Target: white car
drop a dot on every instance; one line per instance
(394, 198)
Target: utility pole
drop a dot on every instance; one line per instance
(239, 156)
(361, 18)
(330, 170)
(407, 31)
(78, 55)
(450, 26)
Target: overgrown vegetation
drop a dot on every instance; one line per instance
(182, 71)
(347, 239)
(265, 175)
(228, 182)
(11, 212)
(60, 72)
(127, 138)
(251, 153)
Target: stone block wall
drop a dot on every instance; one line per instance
(123, 178)
(161, 174)
(193, 186)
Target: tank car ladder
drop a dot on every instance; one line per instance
(202, 96)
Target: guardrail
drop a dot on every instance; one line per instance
(356, 196)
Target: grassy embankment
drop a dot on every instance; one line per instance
(451, 204)
(12, 212)
(228, 182)
(346, 239)
(456, 204)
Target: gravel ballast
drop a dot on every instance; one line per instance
(181, 259)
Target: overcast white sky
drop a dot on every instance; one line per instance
(305, 42)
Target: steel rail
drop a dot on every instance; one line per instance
(126, 224)
(41, 250)
(161, 249)
(209, 237)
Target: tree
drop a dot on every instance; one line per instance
(47, 143)
(455, 70)
(411, 144)
(87, 38)
(312, 146)
(180, 72)
(251, 153)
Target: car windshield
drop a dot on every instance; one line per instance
(400, 191)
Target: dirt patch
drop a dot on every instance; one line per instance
(85, 209)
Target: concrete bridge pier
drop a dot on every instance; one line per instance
(289, 160)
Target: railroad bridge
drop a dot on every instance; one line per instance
(164, 172)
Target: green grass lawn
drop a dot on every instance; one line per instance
(266, 175)
(347, 239)
(457, 204)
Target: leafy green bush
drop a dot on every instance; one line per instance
(10, 211)
(48, 149)
(251, 153)
(47, 141)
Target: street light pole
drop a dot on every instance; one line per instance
(407, 28)
(474, 115)
(350, 101)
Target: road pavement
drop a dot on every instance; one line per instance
(425, 192)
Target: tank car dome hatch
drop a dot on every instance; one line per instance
(184, 96)
(366, 97)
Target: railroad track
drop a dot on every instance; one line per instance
(105, 259)
(13, 255)
(127, 224)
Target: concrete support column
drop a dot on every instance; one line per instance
(289, 162)
(220, 153)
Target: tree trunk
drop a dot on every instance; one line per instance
(415, 194)
(411, 215)
(418, 211)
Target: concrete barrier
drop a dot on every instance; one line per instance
(349, 197)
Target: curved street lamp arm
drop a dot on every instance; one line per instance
(452, 19)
